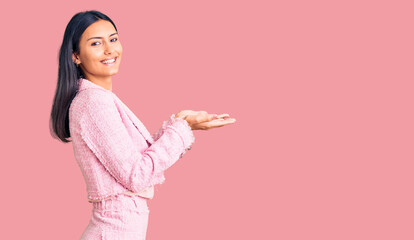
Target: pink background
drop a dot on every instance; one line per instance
(322, 92)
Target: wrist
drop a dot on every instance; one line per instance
(180, 116)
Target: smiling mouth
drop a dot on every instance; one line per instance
(110, 62)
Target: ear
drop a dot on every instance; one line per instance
(75, 58)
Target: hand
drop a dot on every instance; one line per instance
(201, 120)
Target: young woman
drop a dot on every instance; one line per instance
(119, 159)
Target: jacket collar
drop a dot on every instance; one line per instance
(86, 84)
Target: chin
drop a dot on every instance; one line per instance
(113, 72)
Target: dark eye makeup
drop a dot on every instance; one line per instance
(112, 40)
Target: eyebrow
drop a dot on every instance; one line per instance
(101, 37)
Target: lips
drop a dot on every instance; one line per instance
(109, 61)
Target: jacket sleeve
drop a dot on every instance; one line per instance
(161, 131)
(103, 130)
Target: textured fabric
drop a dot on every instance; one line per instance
(118, 218)
(114, 150)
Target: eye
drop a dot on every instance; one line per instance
(93, 44)
(115, 39)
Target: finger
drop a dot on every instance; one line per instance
(221, 121)
(212, 117)
(214, 123)
(223, 115)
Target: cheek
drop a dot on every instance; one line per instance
(119, 49)
(90, 57)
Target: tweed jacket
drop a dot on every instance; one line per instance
(114, 150)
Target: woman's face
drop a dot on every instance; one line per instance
(99, 51)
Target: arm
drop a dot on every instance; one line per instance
(167, 123)
(103, 131)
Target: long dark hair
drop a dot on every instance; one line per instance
(69, 73)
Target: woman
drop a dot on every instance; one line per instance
(119, 159)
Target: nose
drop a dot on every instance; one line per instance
(109, 49)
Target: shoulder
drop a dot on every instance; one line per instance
(93, 96)
(90, 100)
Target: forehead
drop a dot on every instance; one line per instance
(100, 28)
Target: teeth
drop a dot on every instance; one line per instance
(109, 61)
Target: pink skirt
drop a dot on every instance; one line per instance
(121, 217)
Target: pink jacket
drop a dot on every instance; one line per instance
(114, 150)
